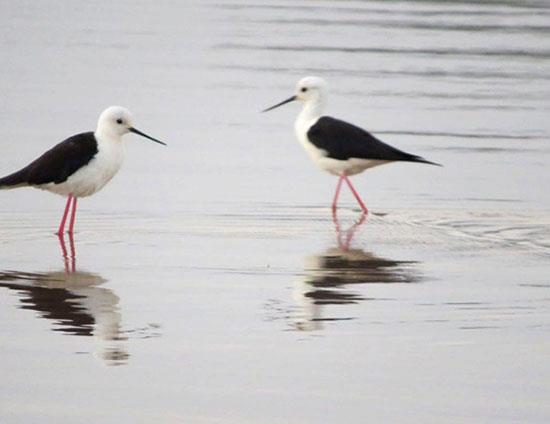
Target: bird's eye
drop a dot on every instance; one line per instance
(119, 121)
(304, 89)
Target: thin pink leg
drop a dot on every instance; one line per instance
(73, 216)
(62, 224)
(359, 200)
(337, 192)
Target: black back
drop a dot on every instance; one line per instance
(58, 163)
(344, 141)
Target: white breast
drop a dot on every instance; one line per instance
(96, 174)
(301, 127)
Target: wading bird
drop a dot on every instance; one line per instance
(335, 146)
(80, 165)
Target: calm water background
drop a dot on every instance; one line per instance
(211, 284)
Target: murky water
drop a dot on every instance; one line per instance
(210, 283)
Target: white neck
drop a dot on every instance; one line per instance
(310, 113)
(103, 135)
(314, 108)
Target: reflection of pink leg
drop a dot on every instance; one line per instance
(62, 224)
(337, 192)
(64, 252)
(69, 258)
(351, 231)
(73, 215)
(345, 237)
(73, 252)
(359, 200)
(337, 227)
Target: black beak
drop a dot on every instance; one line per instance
(132, 129)
(284, 102)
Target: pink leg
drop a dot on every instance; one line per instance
(359, 200)
(73, 216)
(337, 192)
(62, 224)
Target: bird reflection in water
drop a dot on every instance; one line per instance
(75, 303)
(329, 276)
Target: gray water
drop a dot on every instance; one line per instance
(209, 283)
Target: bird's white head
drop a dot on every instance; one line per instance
(312, 91)
(115, 121)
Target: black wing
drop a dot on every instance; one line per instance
(343, 141)
(57, 164)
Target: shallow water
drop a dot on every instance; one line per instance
(209, 282)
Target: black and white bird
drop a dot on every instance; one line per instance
(335, 146)
(80, 165)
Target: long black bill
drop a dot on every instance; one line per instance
(284, 102)
(132, 129)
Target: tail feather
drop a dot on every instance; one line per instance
(17, 179)
(420, 159)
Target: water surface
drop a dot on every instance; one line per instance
(210, 282)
